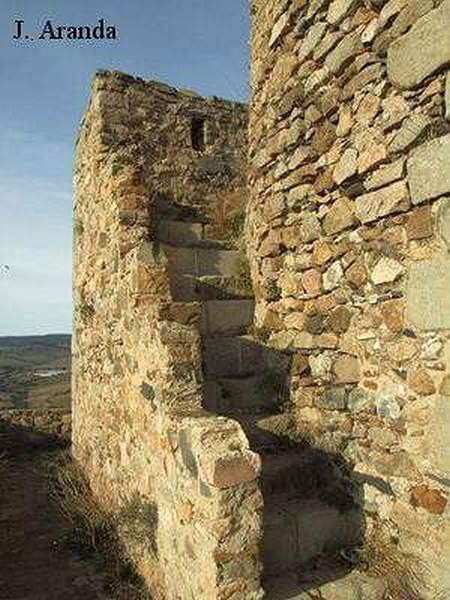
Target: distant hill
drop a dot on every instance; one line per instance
(35, 371)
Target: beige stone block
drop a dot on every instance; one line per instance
(347, 166)
(339, 9)
(447, 96)
(349, 47)
(382, 202)
(428, 293)
(422, 51)
(429, 170)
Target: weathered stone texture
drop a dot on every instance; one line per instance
(429, 170)
(422, 51)
(147, 152)
(428, 294)
(372, 180)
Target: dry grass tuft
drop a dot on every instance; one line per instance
(93, 531)
(406, 575)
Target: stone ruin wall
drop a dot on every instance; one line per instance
(28, 429)
(139, 429)
(349, 239)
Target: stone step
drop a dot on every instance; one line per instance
(327, 578)
(297, 530)
(187, 234)
(201, 261)
(179, 232)
(241, 395)
(308, 471)
(227, 316)
(189, 288)
(239, 356)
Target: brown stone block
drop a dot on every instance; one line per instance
(324, 137)
(312, 282)
(347, 370)
(236, 468)
(393, 313)
(420, 223)
(421, 382)
(431, 500)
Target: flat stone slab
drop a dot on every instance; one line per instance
(227, 316)
(216, 262)
(422, 51)
(202, 261)
(428, 293)
(180, 232)
(429, 170)
(382, 202)
(447, 96)
(249, 395)
(239, 356)
(296, 531)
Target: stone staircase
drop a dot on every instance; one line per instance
(309, 511)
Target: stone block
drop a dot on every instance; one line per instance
(180, 232)
(447, 96)
(233, 469)
(347, 166)
(216, 262)
(332, 399)
(313, 37)
(279, 28)
(385, 175)
(428, 293)
(387, 270)
(222, 356)
(429, 170)
(298, 530)
(382, 202)
(411, 130)
(229, 394)
(349, 47)
(181, 260)
(339, 9)
(420, 223)
(422, 51)
(227, 316)
(444, 222)
(340, 216)
(347, 369)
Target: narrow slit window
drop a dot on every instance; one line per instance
(198, 134)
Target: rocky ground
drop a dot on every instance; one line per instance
(36, 560)
(33, 564)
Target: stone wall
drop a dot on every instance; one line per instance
(349, 239)
(24, 429)
(146, 151)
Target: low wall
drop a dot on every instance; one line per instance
(23, 430)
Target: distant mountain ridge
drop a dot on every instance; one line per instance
(21, 357)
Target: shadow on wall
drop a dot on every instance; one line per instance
(312, 501)
(312, 504)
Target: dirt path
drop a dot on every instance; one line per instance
(33, 566)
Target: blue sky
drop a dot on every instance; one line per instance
(198, 44)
